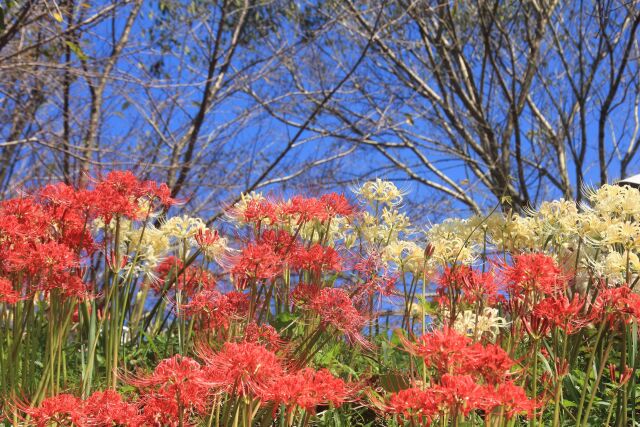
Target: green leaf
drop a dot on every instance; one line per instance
(284, 320)
(76, 49)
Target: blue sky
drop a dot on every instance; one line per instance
(266, 136)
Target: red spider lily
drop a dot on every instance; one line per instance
(559, 312)
(256, 262)
(335, 308)
(106, 408)
(308, 389)
(190, 280)
(69, 211)
(160, 410)
(316, 259)
(179, 378)
(23, 220)
(383, 285)
(32, 247)
(512, 399)
(282, 243)
(160, 192)
(336, 204)
(239, 302)
(415, 404)
(206, 237)
(444, 350)
(7, 293)
(40, 258)
(62, 410)
(450, 353)
(245, 369)
(468, 284)
(194, 279)
(617, 304)
(102, 408)
(215, 309)
(533, 273)
(459, 393)
(120, 194)
(490, 362)
(304, 294)
(369, 265)
(263, 334)
(169, 266)
(70, 285)
(537, 327)
(625, 376)
(376, 278)
(259, 211)
(305, 209)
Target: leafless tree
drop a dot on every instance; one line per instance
(473, 102)
(158, 88)
(485, 101)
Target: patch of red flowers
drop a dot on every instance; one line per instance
(215, 309)
(617, 305)
(257, 262)
(121, 193)
(316, 259)
(466, 285)
(335, 308)
(466, 376)
(559, 311)
(534, 272)
(102, 408)
(307, 389)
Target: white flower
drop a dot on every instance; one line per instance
(380, 192)
(182, 227)
(487, 323)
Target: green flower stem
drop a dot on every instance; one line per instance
(594, 388)
(592, 355)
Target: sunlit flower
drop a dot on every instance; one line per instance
(316, 258)
(244, 368)
(308, 389)
(179, 378)
(380, 192)
(106, 408)
(182, 227)
(256, 262)
(415, 404)
(560, 312)
(485, 324)
(335, 308)
(533, 272)
(212, 245)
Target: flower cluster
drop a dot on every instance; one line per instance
(181, 391)
(102, 408)
(466, 377)
(309, 310)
